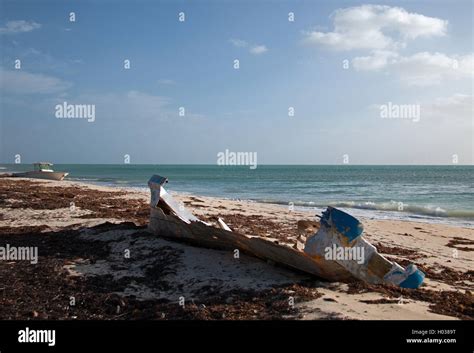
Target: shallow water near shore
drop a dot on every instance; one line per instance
(423, 193)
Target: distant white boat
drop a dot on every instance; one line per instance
(42, 170)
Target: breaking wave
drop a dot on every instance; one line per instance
(391, 206)
(414, 209)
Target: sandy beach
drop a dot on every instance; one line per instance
(96, 260)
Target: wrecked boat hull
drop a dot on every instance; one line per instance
(199, 234)
(338, 229)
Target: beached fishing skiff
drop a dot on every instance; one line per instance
(339, 235)
(42, 170)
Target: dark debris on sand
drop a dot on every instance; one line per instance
(451, 303)
(460, 244)
(103, 204)
(396, 250)
(45, 290)
(260, 226)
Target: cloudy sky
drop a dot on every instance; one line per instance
(333, 64)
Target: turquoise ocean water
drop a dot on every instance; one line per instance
(427, 193)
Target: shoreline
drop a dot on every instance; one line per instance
(359, 212)
(211, 206)
(116, 217)
(372, 192)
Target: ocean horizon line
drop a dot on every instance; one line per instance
(260, 164)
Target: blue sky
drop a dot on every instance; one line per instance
(408, 52)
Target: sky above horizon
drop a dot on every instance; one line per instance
(333, 66)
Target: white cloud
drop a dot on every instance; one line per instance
(239, 43)
(457, 108)
(258, 49)
(349, 40)
(22, 82)
(420, 69)
(19, 26)
(375, 62)
(376, 27)
(424, 69)
(255, 49)
(383, 31)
